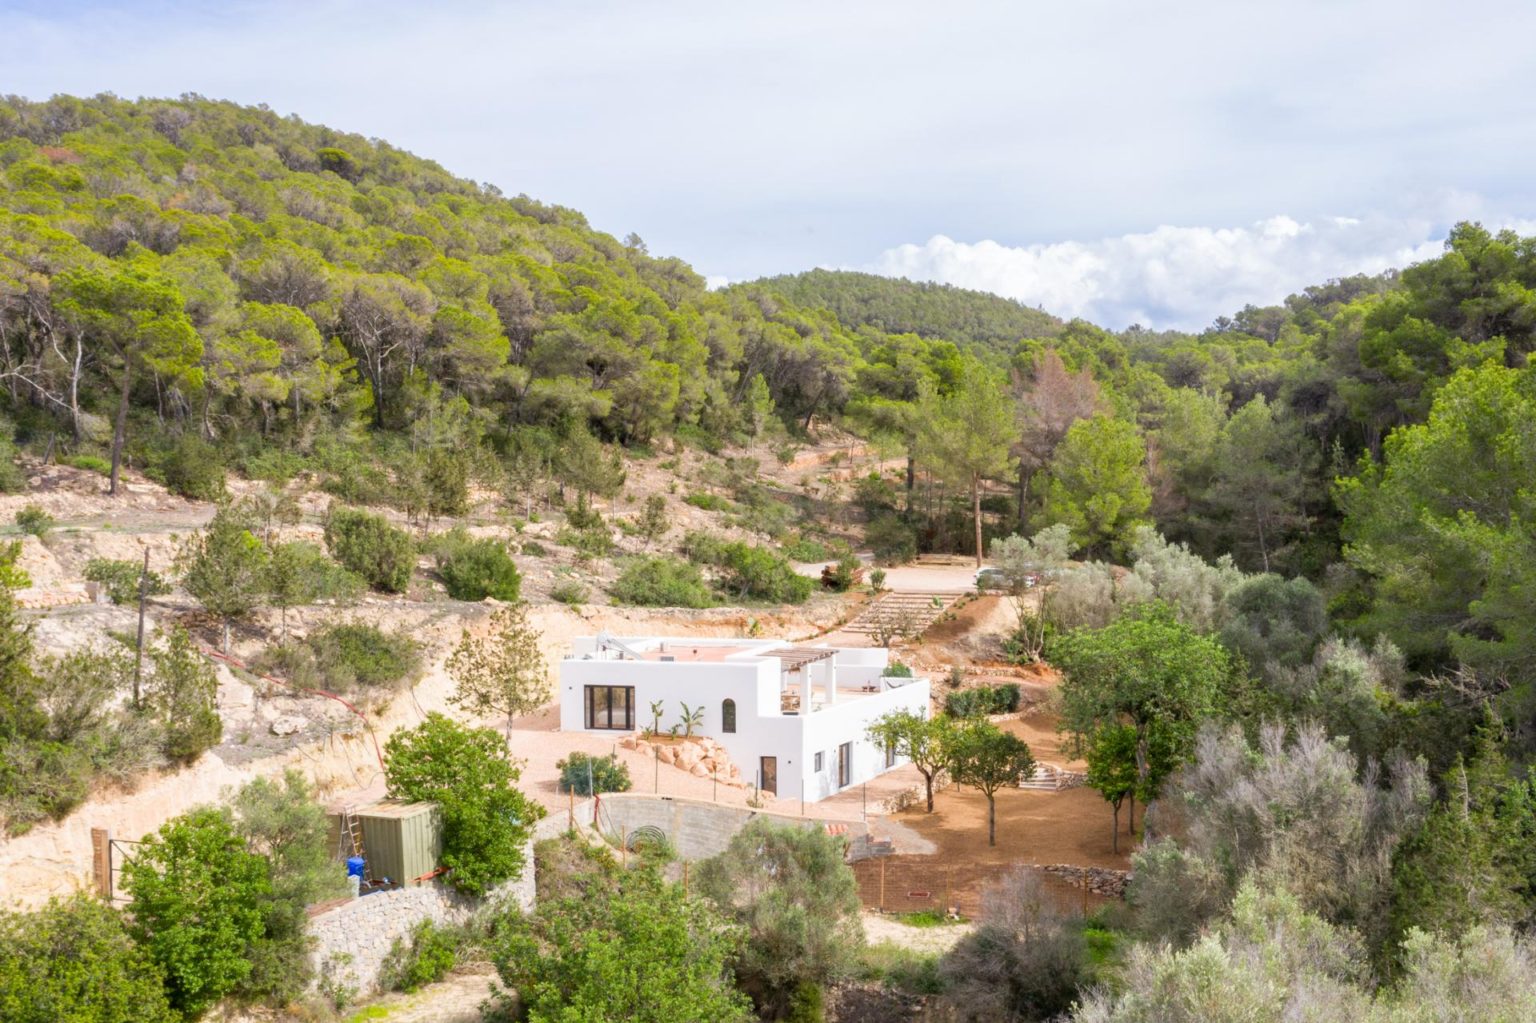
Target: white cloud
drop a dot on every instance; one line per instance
(1180, 277)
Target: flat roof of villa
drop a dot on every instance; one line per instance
(684, 652)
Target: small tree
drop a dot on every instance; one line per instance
(502, 673)
(180, 690)
(985, 756)
(198, 898)
(225, 568)
(470, 775)
(1111, 756)
(653, 522)
(1025, 566)
(626, 946)
(73, 961)
(798, 902)
(924, 741)
(282, 821)
(299, 573)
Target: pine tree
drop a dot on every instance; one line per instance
(504, 672)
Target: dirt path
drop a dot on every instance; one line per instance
(454, 1000)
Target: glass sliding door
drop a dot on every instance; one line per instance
(611, 707)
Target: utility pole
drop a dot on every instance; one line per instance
(138, 663)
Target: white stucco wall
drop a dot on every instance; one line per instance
(762, 729)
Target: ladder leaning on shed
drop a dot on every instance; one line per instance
(351, 830)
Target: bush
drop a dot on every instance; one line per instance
(582, 515)
(708, 502)
(898, 670)
(32, 519)
(983, 700)
(90, 463)
(192, 468)
(198, 898)
(364, 655)
(533, 549)
(762, 574)
(73, 960)
(368, 545)
(475, 569)
(568, 592)
(803, 548)
(121, 579)
(589, 543)
(12, 479)
(842, 573)
(273, 465)
(433, 951)
(662, 582)
(584, 774)
(891, 540)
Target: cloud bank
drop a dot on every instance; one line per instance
(1170, 277)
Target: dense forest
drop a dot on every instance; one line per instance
(1311, 524)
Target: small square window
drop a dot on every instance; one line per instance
(818, 762)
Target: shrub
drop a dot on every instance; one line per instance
(432, 952)
(708, 502)
(368, 545)
(12, 479)
(273, 465)
(877, 580)
(90, 463)
(533, 549)
(73, 960)
(568, 592)
(589, 543)
(891, 540)
(364, 654)
(475, 569)
(898, 670)
(584, 774)
(32, 519)
(197, 905)
(582, 515)
(661, 582)
(762, 574)
(841, 578)
(192, 468)
(983, 700)
(803, 548)
(121, 579)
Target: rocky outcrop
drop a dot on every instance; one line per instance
(699, 755)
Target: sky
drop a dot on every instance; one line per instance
(1153, 163)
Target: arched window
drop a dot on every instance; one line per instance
(728, 716)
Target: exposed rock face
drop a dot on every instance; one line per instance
(288, 725)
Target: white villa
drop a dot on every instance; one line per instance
(792, 718)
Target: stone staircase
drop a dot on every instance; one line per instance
(902, 613)
(1050, 778)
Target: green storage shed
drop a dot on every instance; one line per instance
(401, 841)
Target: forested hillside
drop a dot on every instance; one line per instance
(899, 306)
(191, 279)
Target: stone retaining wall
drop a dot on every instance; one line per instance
(696, 829)
(352, 939)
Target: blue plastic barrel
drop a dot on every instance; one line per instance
(355, 866)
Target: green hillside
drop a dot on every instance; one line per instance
(899, 306)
